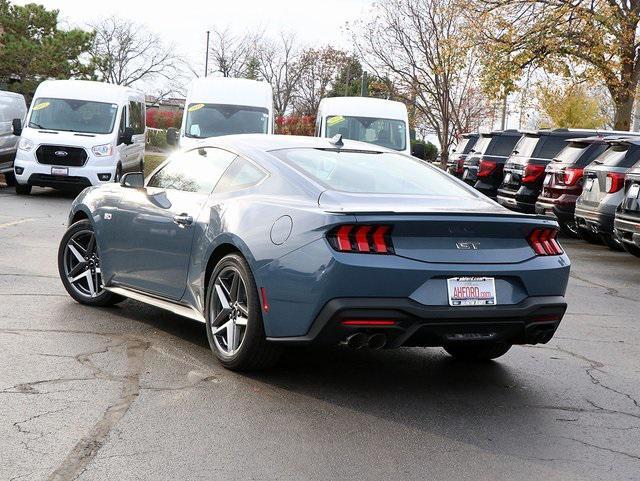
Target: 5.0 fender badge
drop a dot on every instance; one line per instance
(107, 216)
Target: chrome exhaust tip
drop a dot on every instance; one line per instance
(356, 341)
(377, 341)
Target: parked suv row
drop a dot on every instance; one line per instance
(455, 163)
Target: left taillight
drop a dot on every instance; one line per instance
(543, 242)
(486, 168)
(362, 239)
(532, 173)
(614, 182)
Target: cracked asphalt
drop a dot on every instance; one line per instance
(133, 393)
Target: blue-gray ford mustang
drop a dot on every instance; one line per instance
(276, 240)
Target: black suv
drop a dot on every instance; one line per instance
(627, 220)
(483, 167)
(459, 153)
(524, 172)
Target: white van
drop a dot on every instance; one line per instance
(218, 106)
(80, 133)
(12, 108)
(377, 121)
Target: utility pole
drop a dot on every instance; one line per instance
(363, 84)
(206, 58)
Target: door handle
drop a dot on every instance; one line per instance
(183, 220)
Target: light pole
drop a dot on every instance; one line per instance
(206, 58)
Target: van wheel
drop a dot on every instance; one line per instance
(234, 318)
(23, 189)
(612, 242)
(631, 249)
(477, 351)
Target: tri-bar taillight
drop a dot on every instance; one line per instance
(543, 242)
(362, 239)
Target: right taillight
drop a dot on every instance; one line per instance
(532, 172)
(572, 175)
(460, 166)
(543, 242)
(486, 168)
(615, 182)
(363, 239)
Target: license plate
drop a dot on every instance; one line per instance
(507, 178)
(59, 171)
(588, 184)
(634, 191)
(472, 291)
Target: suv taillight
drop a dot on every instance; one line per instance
(543, 242)
(364, 239)
(615, 182)
(572, 175)
(486, 168)
(460, 166)
(532, 173)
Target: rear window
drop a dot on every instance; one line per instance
(551, 146)
(619, 156)
(481, 145)
(526, 145)
(371, 172)
(503, 145)
(571, 153)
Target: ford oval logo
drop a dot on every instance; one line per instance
(61, 153)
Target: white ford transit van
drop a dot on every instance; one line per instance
(376, 121)
(218, 106)
(80, 133)
(12, 109)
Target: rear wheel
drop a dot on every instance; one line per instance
(632, 249)
(612, 242)
(589, 236)
(79, 267)
(10, 178)
(234, 319)
(477, 352)
(23, 189)
(118, 174)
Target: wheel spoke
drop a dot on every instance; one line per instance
(221, 328)
(80, 276)
(241, 321)
(235, 284)
(91, 245)
(76, 252)
(222, 297)
(232, 338)
(80, 267)
(243, 310)
(92, 289)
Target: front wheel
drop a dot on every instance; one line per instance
(632, 249)
(477, 352)
(234, 319)
(23, 189)
(79, 267)
(612, 242)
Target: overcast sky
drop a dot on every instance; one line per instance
(185, 23)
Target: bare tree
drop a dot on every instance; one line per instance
(425, 47)
(282, 65)
(320, 67)
(125, 53)
(231, 54)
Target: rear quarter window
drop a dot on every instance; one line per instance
(503, 145)
(550, 147)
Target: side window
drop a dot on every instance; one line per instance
(123, 120)
(196, 170)
(240, 175)
(136, 117)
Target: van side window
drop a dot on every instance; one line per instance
(136, 117)
(240, 175)
(197, 170)
(123, 120)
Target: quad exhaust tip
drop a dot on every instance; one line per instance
(377, 341)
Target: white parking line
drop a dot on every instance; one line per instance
(9, 224)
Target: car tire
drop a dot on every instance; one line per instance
(477, 351)
(632, 249)
(589, 236)
(570, 229)
(10, 179)
(76, 245)
(118, 175)
(612, 242)
(23, 189)
(141, 166)
(236, 332)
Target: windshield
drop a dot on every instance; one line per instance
(525, 146)
(214, 120)
(371, 172)
(73, 115)
(571, 153)
(388, 133)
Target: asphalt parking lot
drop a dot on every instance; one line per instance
(133, 393)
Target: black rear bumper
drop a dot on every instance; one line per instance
(534, 320)
(563, 212)
(627, 228)
(596, 222)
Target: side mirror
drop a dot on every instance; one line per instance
(126, 137)
(17, 127)
(172, 136)
(133, 180)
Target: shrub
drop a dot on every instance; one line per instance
(424, 150)
(295, 125)
(162, 119)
